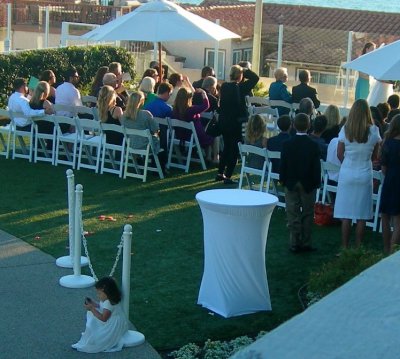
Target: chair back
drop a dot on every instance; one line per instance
(254, 163)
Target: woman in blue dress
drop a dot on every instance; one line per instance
(362, 85)
(390, 198)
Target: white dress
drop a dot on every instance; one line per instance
(103, 336)
(354, 192)
(379, 93)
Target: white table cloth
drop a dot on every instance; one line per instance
(235, 236)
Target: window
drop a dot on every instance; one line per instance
(321, 77)
(209, 61)
(236, 56)
(247, 54)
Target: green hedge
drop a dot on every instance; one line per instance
(86, 59)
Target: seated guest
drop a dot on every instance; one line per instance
(278, 90)
(304, 90)
(384, 109)
(67, 93)
(178, 81)
(110, 113)
(154, 65)
(50, 78)
(147, 87)
(153, 73)
(109, 79)
(319, 127)
(255, 136)
(116, 69)
(275, 143)
(18, 102)
(306, 106)
(393, 101)
(98, 81)
(205, 72)
(391, 114)
(331, 155)
(332, 115)
(184, 110)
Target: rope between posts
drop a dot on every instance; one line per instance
(119, 251)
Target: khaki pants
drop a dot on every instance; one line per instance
(300, 214)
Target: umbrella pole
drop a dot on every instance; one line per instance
(160, 68)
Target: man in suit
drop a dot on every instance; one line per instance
(300, 174)
(275, 143)
(303, 90)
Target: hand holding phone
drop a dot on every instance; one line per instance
(87, 300)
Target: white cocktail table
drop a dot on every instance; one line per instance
(235, 236)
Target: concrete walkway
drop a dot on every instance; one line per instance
(39, 318)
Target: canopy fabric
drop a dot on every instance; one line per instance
(159, 21)
(382, 63)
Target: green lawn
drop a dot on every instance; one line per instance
(167, 258)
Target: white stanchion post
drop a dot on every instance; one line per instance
(67, 261)
(77, 280)
(131, 338)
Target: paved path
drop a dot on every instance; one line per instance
(39, 319)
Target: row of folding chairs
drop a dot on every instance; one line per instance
(268, 180)
(80, 143)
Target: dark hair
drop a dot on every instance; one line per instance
(284, 122)
(46, 75)
(306, 106)
(164, 87)
(367, 46)
(391, 114)
(394, 127)
(207, 71)
(110, 288)
(320, 123)
(301, 122)
(383, 108)
(393, 101)
(304, 76)
(70, 73)
(18, 82)
(98, 80)
(149, 73)
(174, 78)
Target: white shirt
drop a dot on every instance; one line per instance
(17, 102)
(331, 157)
(67, 94)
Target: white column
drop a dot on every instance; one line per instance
(349, 50)
(280, 46)
(47, 26)
(216, 51)
(7, 41)
(257, 37)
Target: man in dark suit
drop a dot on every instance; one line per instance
(303, 90)
(300, 174)
(275, 143)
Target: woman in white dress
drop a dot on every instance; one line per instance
(358, 144)
(106, 322)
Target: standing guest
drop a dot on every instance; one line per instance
(67, 93)
(205, 72)
(147, 87)
(390, 198)
(332, 115)
(18, 102)
(278, 90)
(97, 83)
(318, 128)
(362, 85)
(304, 90)
(358, 144)
(300, 174)
(275, 143)
(110, 113)
(50, 78)
(106, 322)
(232, 109)
(378, 120)
(384, 109)
(110, 79)
(178, 81)
(393, 102)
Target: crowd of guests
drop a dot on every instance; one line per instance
(353, 143)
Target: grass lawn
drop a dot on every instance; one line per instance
(167, 259)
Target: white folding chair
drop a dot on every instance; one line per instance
(90, 143)
(42, 150)
(112, 160)
(24, 138)
(89, 101)
(279, 103)
(273, 179)
(181, 160)
(376, 200)
(270, 115)
(5, 134)
(138, 160)
(250, 156)
(165, 125)
(66, 141)
(326, 168)
(256, 100)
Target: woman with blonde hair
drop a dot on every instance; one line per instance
(358, 145)
(110, 113)
(147, 87)
(332, 115)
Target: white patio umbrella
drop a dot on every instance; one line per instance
(382, 63)
(159, 21)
